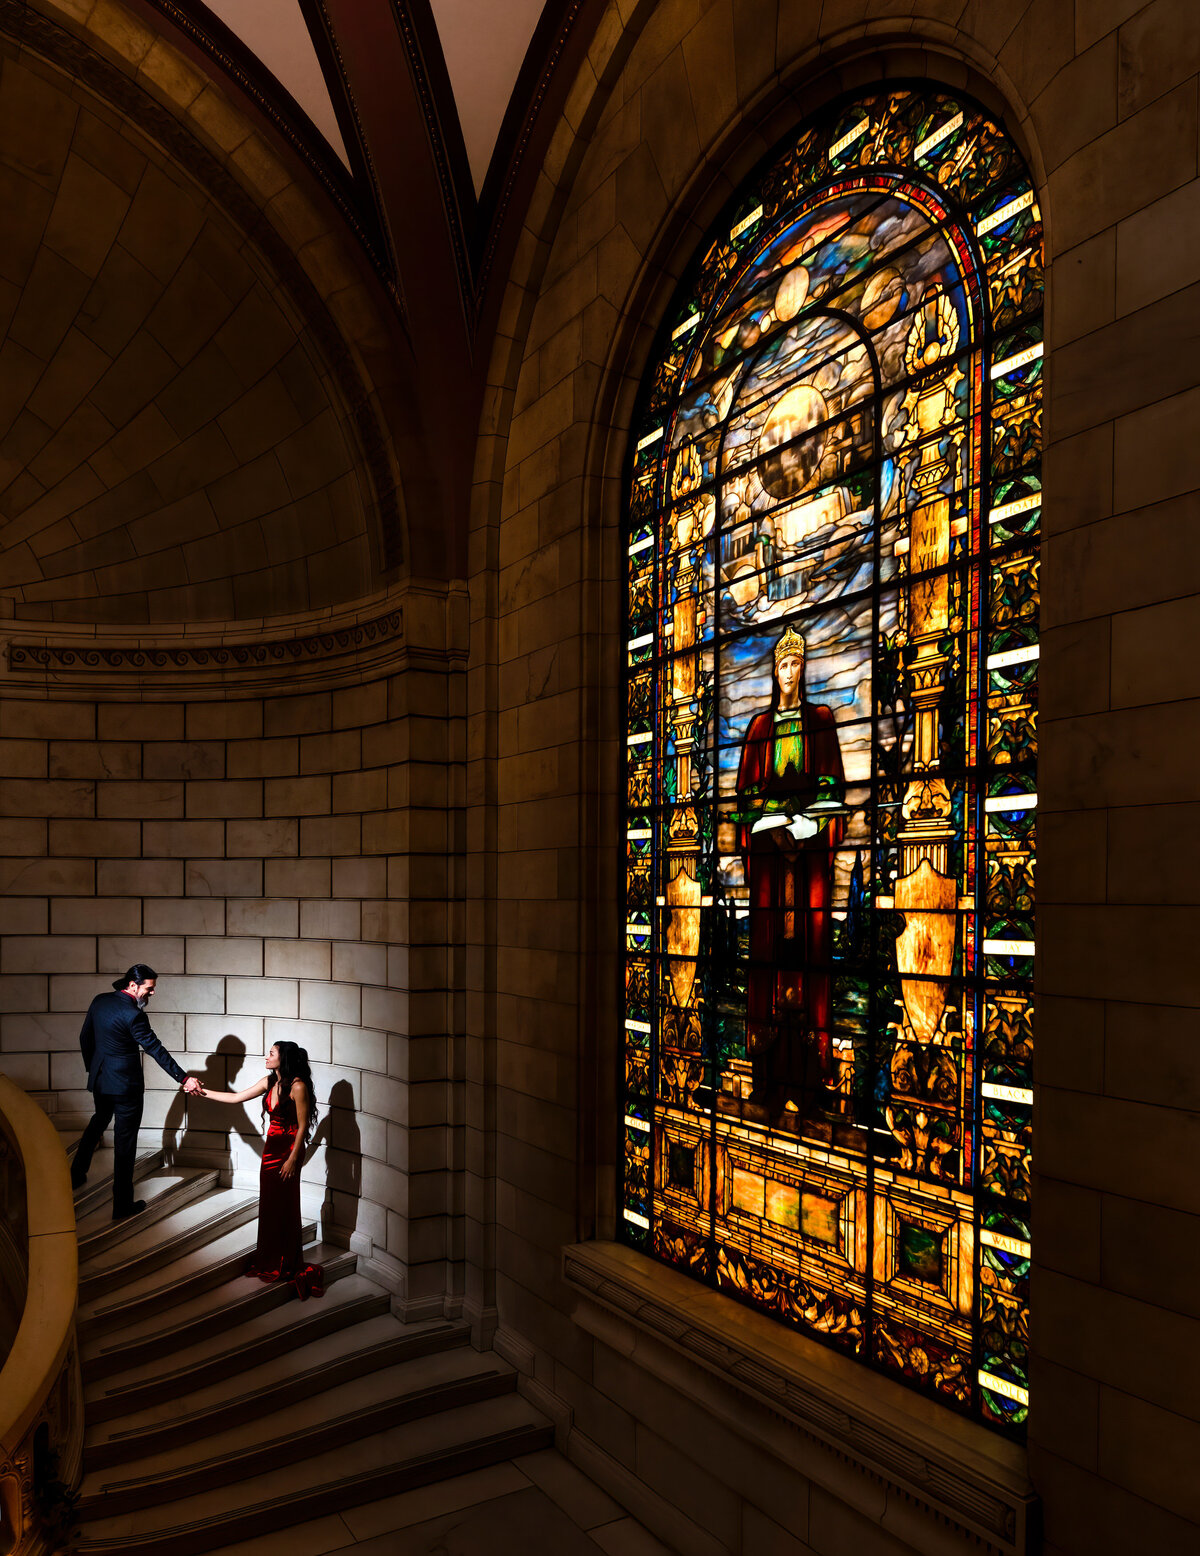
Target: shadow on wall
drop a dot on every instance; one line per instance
(185, 1115)
(339, 1133)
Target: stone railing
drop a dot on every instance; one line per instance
(41, 1398)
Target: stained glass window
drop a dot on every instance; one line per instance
(832, 652)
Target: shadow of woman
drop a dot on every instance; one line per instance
(192, 1115)
(339, 1133)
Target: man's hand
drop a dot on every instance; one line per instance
(193, 1087)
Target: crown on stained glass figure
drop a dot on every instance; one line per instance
(790, 643)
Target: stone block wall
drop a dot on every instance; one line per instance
(286, 864)
(677, 101)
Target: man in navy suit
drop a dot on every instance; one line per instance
(115, 1034)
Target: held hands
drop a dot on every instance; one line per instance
(192, 1087)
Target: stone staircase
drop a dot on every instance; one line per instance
(219, 1408)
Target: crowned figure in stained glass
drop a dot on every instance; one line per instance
(790, 818)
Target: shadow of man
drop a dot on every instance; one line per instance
(220, 1073)
(339, 1133)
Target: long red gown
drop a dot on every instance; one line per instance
(789, 1001)
(280, 1252)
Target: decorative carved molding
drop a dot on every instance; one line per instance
(409, 32)
(330, 655)
(320, 646)
(520, 142)
(955, 1473)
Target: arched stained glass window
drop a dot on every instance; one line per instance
(832, 653)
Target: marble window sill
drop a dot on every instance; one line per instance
(904, 1461)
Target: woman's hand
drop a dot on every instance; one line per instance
(289, 1167)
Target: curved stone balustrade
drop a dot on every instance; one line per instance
(41, 1404)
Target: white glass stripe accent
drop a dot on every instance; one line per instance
(998, 1385)
(637, 929)
(1019, 1094)
(636, 1026)
(1005, 1244)
(641, 545)
(688, 324)
(746, 222)
(632, 1215)
(644, 739)
(1010, 802)
(931, 142)
(1008, 948)
(1005, 213)
(637, 1123)
(1011, 364)
(647, 637)
(651, 437)
(1013, 656)
(1010, 510)
(848, 138)
(639, 834)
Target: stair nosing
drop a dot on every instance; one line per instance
(183, 1193)
(316, 1495)
(158, 1293)
(382, 1350)
(312, 1376)
(163, 1478)
(161, 1380)
(173, 1247)
(144, 1163)
(335, 1268)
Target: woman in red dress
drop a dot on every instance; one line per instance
(290, 1105)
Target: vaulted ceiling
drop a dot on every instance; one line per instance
(483, 44)
(423, 114)
(255, 252)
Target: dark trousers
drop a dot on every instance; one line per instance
(127, 1111)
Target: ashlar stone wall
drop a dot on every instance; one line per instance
(286, 864)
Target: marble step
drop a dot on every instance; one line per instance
(163, 1193)
(195, 1226)
(212, 1313)
(284, 1495)
(353, 1300)
(97, 1191)
(146, 1297)
(380, 1347)
(316, 1423)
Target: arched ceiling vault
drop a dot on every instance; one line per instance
(422, 124)
(206, 396)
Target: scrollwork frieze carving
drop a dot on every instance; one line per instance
(337, 650)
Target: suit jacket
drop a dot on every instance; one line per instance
(114, 1036)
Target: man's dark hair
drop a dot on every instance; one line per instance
(138, 973)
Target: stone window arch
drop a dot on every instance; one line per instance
(832, 644)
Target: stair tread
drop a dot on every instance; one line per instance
(150, 1238)
(193, 1263)
(150, 1189)
(100, 1168)
(276, 1367)
(381, 1386)
(165, 1327)
(280, 1484)
(263, 1327)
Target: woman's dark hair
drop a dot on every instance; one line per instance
(293, 1066)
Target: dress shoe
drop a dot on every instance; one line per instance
(124, 1215)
